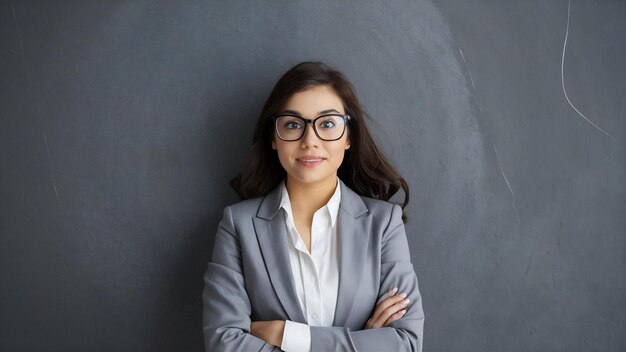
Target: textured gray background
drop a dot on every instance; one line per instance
(122, 122)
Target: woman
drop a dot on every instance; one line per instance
(314, 258)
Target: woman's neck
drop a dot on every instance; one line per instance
(307, 198)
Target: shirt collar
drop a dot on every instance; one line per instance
(332, 205)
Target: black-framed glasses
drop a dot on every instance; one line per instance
(327, 127)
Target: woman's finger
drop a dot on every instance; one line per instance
(386, 310)
(386, 314)
(395, 317)
(387, 303)
(388, 294)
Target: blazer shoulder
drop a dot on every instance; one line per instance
(382, 210)
(378, 206)
(247, 207)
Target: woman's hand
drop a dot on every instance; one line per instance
(390, 309)
(270, 331)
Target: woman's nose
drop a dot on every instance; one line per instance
(309, 138)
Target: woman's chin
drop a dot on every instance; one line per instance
(309, 178)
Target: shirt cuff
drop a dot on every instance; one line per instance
(296, 337)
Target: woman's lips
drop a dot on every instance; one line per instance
(310, 161)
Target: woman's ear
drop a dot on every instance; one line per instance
(273, 144)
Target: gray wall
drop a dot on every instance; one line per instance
(121, 123)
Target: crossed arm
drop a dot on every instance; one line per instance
(391, 308)
(392, 326)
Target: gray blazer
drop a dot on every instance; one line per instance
(249, 277)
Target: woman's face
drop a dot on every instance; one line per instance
(311, 160)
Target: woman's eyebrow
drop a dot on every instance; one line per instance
(319, 113)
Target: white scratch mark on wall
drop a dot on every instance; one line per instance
(54, 185)
(507, 183)
(469, 73)
(45, 140)
(37, 110)
(563, 77)
(19, 35)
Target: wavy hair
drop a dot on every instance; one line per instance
(364, 168)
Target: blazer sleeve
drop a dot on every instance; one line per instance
(226, 306)
(404, 334)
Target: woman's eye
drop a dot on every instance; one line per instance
(327, 124)
(292, 125)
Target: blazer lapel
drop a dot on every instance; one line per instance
(272, 235)
(353, 239)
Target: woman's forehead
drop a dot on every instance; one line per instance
(314, 101)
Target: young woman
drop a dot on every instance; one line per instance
(314, 258)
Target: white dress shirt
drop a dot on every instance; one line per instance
(316, 274)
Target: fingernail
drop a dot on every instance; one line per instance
(406, 301)
(403, 294)
(393, 289)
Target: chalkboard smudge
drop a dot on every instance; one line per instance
(56, 192)
(507, 183)
(54, 185)
(527, 269)
(45, 140)
(563, 76)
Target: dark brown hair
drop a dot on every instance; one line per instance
(364, 168)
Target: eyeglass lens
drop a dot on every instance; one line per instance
(328, 127)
